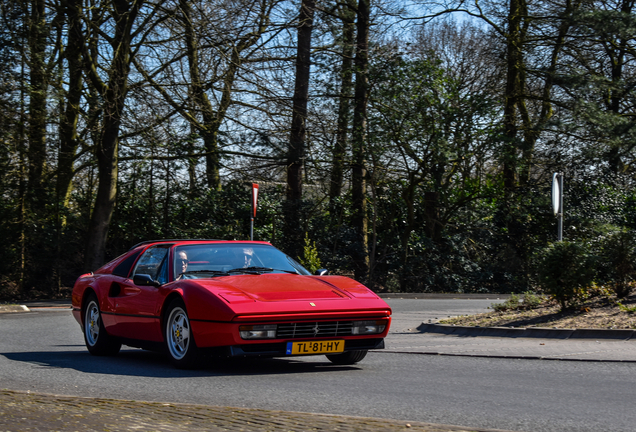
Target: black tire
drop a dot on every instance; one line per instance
(98, 341)
(348, 357)
(180, 345)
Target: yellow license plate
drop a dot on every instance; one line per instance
(315, 347)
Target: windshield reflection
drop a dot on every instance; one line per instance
(209, 260)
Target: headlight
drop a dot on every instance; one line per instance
(258, 331)
(368, 327)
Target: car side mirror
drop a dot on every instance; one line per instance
(322, 272)
(145, 280)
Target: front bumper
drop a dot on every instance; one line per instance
(209, 334)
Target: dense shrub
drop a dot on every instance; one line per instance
(565, 270)
(617, 253)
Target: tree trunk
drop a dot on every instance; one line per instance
(192, 162)
(346, 86)
(68, 127)
(22, 183)
(408, 196)
(618, 50)
(431, 211)
(37, 103)
(296, 147)
(208, 127)
(213, 122)
(106, 192)
(513, 92)
(358, 167)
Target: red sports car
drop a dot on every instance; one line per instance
(194, 298)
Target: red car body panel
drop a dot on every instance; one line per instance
(218, 305)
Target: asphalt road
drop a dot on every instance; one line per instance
(43, 351)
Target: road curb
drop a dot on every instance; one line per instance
(531, 332)
(13, 308)
(509, 357)
(29, 306)
(438, 296)
(65, 303)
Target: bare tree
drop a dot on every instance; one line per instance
(123, 16)
(195, 68)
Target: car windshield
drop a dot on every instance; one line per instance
(219, 259)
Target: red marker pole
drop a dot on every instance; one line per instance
(254, 204)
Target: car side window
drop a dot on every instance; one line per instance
(124, 267)
(162, 277)
(150, 262)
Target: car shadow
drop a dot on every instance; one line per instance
(137, 362)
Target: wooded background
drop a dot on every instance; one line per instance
(410, 144)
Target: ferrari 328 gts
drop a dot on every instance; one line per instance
(201, 298)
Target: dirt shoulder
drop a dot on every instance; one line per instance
(597, 313)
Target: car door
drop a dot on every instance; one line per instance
(135, 307)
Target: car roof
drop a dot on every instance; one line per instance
(147, 242)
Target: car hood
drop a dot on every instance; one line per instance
(274, 287)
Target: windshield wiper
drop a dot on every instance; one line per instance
(214, 272)
(258, 270)
(250, 270)
(287, 271)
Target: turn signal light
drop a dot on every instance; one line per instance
(258, 331)
(368, 327)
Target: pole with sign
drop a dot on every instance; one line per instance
(557, 202)
(254, 204)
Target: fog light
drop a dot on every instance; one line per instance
(258, 331)
(368, 327)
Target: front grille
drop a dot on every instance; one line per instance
(314, 329)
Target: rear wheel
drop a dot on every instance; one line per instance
(348, 357)
(180, 343)
(98, 341)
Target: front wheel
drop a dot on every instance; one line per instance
(347, 358)
(98, 341)
(180, 343)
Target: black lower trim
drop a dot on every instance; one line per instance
(356, 344)
(131, 315)
(278, 349)
(147, 345)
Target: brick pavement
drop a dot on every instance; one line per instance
(24, 411)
